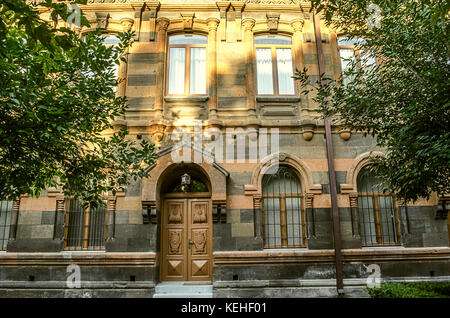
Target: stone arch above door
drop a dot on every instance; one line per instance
(216, 175)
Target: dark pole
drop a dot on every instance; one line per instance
(331, 170)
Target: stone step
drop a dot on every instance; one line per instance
(183, 290)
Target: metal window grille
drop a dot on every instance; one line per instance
(85, 228)
(5, 222)
(378, 214)
(283, 210)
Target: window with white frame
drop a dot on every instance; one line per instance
(274, 65)
(352, 53)
(187, 65)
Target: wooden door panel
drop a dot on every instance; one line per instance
(200, 235)
(186, 240)
(174, 264)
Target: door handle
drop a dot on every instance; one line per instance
(190, 242)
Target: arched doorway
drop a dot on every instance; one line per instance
(186, 224)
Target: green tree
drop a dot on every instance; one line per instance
(404, 100)
(58, 103)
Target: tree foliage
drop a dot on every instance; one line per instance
(58, 103)
(403, 100)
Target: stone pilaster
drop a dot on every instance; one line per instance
(161, 26)
(111, 220)
(223, 8)
(257, 201)
(310, 217)
(356, 228)
(249, 58)
(212, 66)
(14, 219)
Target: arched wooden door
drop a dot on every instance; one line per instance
(186, 253)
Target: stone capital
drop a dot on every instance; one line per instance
(212, 24)
(298, 24)
(162, 24)
(248, 24)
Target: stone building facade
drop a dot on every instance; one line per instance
(242, 229)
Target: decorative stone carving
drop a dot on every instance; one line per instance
(272, 21)
(153, 8)
(175, 242)
(102, 20)
(309, 126)
(162, 24)
(188, 21)
(345, 134)
(127, 24)
(309, 199)
(353, 200)
(297, 25)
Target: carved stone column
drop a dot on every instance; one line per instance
(356, 227)
(60, 218)
(297, 43)
(310, 218)
(257, 201)
(111, 221)
(212, 66)
(14, 219)
(249, 60)
(161, 26)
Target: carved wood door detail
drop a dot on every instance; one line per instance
(186, 240)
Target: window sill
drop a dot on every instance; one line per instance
(278, 99)
(83, 252)
(382, 247)
(186, 99)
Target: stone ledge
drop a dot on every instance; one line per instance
(80, 258)
(271, 257)
(83, 284)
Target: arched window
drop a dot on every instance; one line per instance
(378, 215)
(274, 65)
(5, 222)
(283, 212)
(187, 65)
(85, 228)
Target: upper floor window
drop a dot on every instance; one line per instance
(5, 222)
(274, 65)
(85, 229)
(378, 215)
(283, 213)
(187, 65)
(351, 53)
